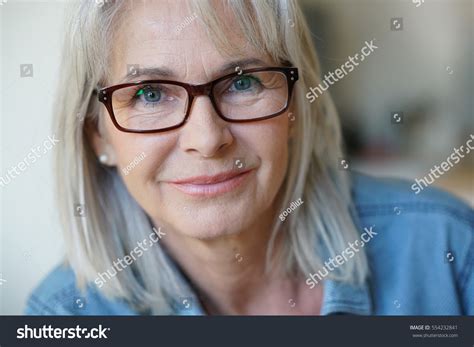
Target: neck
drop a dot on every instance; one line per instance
(228, 271)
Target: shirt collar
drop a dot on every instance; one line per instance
(340, 297)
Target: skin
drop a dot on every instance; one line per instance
(206, 236)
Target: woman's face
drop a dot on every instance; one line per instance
(169, 37)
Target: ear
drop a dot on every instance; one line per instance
(98, 140)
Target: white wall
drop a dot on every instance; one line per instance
(30, 237)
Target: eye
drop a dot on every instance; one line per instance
(149, 94)
(244, 83)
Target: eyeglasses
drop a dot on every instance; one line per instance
(154, 106)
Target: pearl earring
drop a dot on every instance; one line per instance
(103, 158)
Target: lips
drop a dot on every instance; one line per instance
(211, 185)
(224, 176)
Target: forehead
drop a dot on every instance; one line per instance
(170, 34)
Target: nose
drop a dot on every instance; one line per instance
(205, 134)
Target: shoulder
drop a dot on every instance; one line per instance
(430, 214)
(57, 294)
(376, 195)
(424, 243)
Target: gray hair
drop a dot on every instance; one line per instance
(105, 234)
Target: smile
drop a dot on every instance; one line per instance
(209, 186)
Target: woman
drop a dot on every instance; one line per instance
(196, 178)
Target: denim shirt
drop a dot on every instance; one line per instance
(421, 261)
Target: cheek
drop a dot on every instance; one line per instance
(133, 151)
(140, 159)
(276, 151)
(268, 141)
(140, 173)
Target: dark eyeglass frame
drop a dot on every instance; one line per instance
(105, 96)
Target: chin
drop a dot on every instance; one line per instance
(207, 231)
(209, 218)
(203, 234)
(211, 225)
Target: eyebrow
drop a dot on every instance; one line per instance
(242, 64)
(152, 71)
(156, 71)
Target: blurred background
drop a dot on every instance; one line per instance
(423, 70)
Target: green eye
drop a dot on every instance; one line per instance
(149, 94)
(243, 83)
